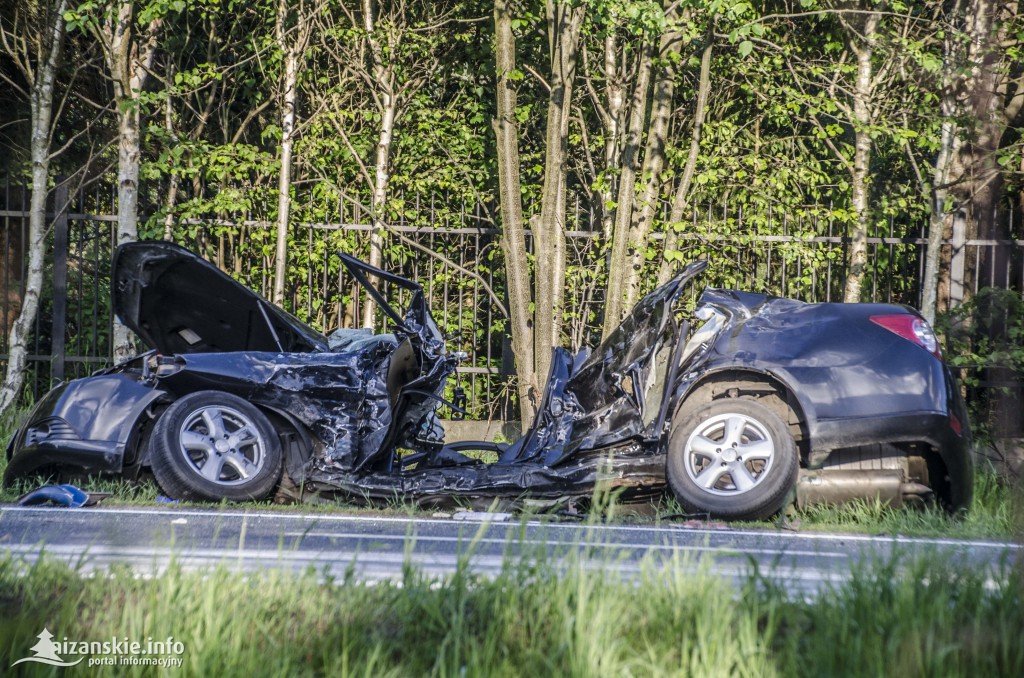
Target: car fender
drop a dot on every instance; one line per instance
(85, 424)
(806, 410)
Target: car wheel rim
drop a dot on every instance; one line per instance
(222, 445)
(729, 454)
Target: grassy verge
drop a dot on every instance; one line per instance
(535, 618)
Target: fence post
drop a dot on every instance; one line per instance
(60, 279)
(957, 263)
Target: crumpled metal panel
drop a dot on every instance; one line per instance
(621, 386)
(612, 395)
(341, 397)
(637, 468)
(597, 420)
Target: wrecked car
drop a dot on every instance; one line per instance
(739, 407)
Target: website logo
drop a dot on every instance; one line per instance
(46, 652)
(113, 652)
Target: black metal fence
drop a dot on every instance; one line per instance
(798, 255)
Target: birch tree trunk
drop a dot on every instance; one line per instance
(289, 95)
(388, 103)
(381, 178)
(40, 77)
(292, 39)
(680, 199)
(654, 162)
(864, 48)
(611, 121)
(939, 218)
(615, 294)
(513, 237)
(129, 58)
(171, 199)
(975, 176)
(564, 24)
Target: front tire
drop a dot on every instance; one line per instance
(210, 446)
(733, 459)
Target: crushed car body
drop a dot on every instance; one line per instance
(740, 407)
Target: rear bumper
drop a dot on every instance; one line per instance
(933, 428)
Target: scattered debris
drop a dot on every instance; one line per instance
(65, 495)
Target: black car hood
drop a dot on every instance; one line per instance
(178, 302)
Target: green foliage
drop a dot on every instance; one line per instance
(570, 613)
(987, 331)
(772, 158)
(984, 339)
(90, 14)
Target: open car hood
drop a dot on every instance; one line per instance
(178, 302)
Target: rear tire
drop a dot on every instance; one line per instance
(210, 446)
(732, 458)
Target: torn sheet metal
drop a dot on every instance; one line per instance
(356, 412)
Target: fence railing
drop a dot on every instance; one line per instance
(801, 257)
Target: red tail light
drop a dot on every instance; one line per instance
(911, 328)
(954, 423)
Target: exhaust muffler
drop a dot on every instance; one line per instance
(841, 486)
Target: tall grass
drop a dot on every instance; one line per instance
(538, 616)
(997, 512)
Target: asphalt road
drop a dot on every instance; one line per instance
(376, 548)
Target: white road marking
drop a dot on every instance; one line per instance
(413, 538)
(813, 536)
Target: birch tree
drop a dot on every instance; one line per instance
(636, 206)
(606, 86)
(293, 25)
(127, 33)
(993, 89)
(564, 22)
(671, 39)
(33, 39)
(632, 156)
(681, 194)
(862, 110)
(537, 321)
(383, 81)
(844, 97)
(840, 96)
(381, 57)
(513, 235)
(936, 187)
